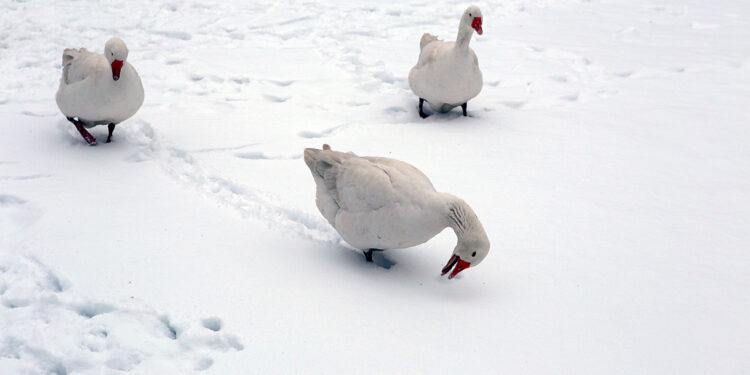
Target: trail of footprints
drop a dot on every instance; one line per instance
(80, 334)
(182, 166)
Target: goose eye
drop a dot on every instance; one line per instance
(474, 254)
(469, 14)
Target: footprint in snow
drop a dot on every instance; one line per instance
(241, 80)
(8, 200)
(90, 310)
(254, 155)
(357, 104)
(276, 99)
(281, 83)
(34, 114)
(174, 34)
(625, 74)
(203, 364)
(570, 98)
(319, 134)
(513, 104)
(109, 336)
(213, 323)
(251, 155)
(396, 110)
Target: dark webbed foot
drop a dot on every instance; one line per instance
(84, 133)
(111, 128)
(463, 107)
(421, 112)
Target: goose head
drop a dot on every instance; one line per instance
(116, 53)
(472, 18)
(472, 246)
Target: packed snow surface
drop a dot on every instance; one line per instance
(607, 156)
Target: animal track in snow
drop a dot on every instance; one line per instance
(570, 98)
(254, 155)
(80, 334)
(357, 104)
(8, 200)
(213, 323)
(180, 165)
(281, 83)
(513, 104)
(174, 34)
(230, 148)
(203, 364)
(27, 177)
(241, 80)
(319, 134)
(276, 99)
(34, 114)
(90, 310)
(396, 109)
(625, 74)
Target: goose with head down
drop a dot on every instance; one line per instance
(378, 203)
(447, 74)
(99, 89)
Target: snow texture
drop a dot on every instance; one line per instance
(606, 157)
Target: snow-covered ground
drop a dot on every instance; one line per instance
(607, 156)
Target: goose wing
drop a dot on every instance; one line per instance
(355, 184)
(78, 64)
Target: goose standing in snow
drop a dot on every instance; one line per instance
(377, 203)
(447, 74)
(98, 89)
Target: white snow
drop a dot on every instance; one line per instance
(606, 156)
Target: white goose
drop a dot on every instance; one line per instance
(379, 203)
(447, 74)
(99, 89)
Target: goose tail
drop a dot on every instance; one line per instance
(427, 38)
(70, 55)
(324, 160)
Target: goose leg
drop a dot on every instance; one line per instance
(84, 133)
(463, 107)
(421, 112)
(111, 129)
(368, 253)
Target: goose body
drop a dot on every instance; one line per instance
(98, 89)
(383, 203)
(447, 74)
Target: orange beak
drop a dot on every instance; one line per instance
(459, 264)
(116, 67)
(477, 25)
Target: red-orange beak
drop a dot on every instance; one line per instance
(477, 25)
(459, 264)
(116, 66)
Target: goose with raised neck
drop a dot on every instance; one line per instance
(447, 74)
(98, 89)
